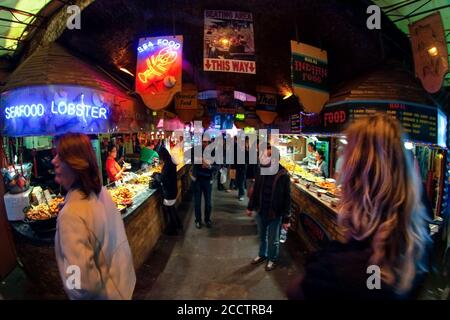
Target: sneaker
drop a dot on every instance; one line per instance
(271, 266)
(228, 191)
(258, 260)
(198, 225)
(241, 198)
(208, 224)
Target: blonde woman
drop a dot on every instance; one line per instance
(382, 217)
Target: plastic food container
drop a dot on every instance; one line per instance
(14, 180)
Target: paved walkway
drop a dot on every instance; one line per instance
(214, 263)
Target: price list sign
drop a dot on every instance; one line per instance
(419, 122)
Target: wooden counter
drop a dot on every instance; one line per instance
(144, 224)
(314, 218)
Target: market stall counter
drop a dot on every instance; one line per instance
(313, 207)
(140, 208)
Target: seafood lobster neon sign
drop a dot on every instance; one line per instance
(159, 62)
(158, 70)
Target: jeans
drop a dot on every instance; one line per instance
(240, 181)
(269, 237)
(202, 186)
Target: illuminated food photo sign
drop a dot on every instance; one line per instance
(55, 109)
(158, 70)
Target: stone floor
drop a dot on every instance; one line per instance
(200, 264)
(214, 263)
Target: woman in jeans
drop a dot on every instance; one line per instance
(90, 235)
(383, 220)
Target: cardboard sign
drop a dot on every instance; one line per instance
(229, 44)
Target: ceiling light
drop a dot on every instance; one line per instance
(433, 51)
(126, 71)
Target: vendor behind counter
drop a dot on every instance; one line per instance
(148, 154)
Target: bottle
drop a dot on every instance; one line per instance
(283, 235)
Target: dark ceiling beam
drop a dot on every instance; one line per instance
(9, 38)
(14, 21)
(423, 12)
(400, 5)
(25, 13)
(418, 8)
(6, 49)
(67, 3)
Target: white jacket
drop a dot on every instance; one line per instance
(91, 236)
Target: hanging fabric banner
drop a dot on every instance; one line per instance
(158, 70)
(430, 51)
(310, 75)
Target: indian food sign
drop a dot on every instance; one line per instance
(310, 75)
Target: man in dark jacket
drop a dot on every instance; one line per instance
(203, 174)
(271, 198)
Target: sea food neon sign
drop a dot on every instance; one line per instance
(158, 63)
(160, 42)
(61, 108)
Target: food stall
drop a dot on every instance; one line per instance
(33, 113)
(315, 199)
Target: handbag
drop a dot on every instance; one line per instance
(223, 175)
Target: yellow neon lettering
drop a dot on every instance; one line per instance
(158, 64)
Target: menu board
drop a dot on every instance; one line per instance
(419, 122)
(295, 123)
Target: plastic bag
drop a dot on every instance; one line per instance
(223, 175)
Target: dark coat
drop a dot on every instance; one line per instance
(169, 181)
(281, 195)
(340, 272)
(168, 177)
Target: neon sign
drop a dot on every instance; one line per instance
(158, 70)
(157, 64)
(62, 108)
(160, 42)
(55, 109)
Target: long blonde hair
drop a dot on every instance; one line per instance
(381, 199)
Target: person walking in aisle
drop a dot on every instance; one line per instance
(202, 176)
(271, 199)
(168, 181)
(90, 233)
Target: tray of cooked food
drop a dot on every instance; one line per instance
(42, 217)
(122, 196)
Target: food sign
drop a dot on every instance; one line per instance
(158, 70)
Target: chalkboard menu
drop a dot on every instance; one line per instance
(419, 122)
(295, 123)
